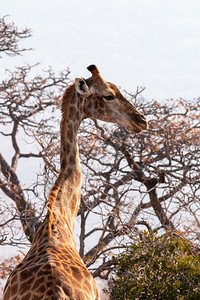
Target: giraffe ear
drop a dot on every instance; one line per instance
(81, 86)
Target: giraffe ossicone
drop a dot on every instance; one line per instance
(53, 268)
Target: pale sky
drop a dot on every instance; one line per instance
(149, 43)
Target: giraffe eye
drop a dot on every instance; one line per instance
(109, 97)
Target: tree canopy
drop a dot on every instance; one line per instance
(164, 267)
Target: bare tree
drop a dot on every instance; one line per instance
(10, 36)
(24, 98)
(150, 180)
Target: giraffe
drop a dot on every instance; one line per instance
(52, 268)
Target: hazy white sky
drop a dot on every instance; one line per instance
(149, 43)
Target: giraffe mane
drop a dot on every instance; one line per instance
(54, 191)
(66, 98)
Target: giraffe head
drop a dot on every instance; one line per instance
(104, 101)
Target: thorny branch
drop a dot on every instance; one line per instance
(10, 36)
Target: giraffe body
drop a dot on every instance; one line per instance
(53, 268)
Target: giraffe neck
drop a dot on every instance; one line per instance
(64, 198)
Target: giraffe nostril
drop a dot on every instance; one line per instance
(140, 121)
(143, 119)
(144, 124)
(140, 118)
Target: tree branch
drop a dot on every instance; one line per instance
(12, 189)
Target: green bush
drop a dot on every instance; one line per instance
(157, 268)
